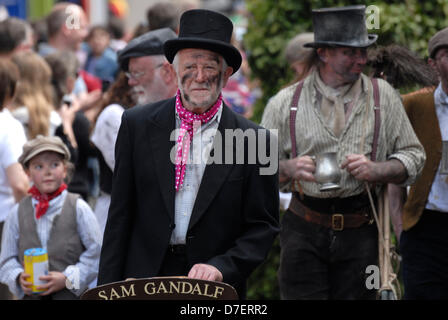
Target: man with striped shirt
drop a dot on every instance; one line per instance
(328, 239)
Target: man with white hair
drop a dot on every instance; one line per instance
(150, 75)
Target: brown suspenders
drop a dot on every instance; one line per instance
(293, 113)
(377, 109)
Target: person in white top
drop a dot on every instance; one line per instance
(13, 180)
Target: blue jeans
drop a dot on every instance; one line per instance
(320, 263)
(424, 250)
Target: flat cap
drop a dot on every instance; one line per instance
(439, 40)
(148, 44)
(41, 144)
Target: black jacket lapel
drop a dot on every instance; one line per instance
(159, 131)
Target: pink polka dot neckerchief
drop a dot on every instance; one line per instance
(189, 124)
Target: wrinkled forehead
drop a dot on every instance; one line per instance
(140, 63)
(191, 54)
(348, 49)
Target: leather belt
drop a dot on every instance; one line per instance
(335, 221)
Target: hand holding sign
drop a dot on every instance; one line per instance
(205, 272)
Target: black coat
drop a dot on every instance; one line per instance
(234, 220)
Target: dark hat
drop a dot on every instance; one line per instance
(41, 144)
(437, 41)
(205, 29)
(341, 27)
(148, 44)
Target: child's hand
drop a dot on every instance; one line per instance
(25, 285)
(55, 282)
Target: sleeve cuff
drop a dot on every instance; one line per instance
(410, 169)
(13, 284)
(73, 281)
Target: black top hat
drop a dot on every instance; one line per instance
(341, 27)
(148, 44)
(205, 29)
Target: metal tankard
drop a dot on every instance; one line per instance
(327, 173)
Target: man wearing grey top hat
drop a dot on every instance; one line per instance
(328, 237)
(150, 75)
(174, 217)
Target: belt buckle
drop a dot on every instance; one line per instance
(337, 222)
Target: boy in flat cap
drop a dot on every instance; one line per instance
(171, 217)
(328, 237)
(52, 219)
(424, 240)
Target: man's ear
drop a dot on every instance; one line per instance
(227, 73)
(167, 72)
(65, 30)
(322, 53)
(433, 65)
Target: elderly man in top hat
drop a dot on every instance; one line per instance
(150, 75)
(211, 220)
(328, 236)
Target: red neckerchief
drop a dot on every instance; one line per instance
(42, 206)
(188, 119)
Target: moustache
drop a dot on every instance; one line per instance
(137, 89)
(203, 86)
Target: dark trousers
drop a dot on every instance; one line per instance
(320, 263)
(424, 250)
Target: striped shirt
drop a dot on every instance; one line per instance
(397, 139)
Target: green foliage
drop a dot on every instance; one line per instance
(273, 22)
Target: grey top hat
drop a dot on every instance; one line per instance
(341, 27)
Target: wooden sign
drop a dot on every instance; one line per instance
(162, 288)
